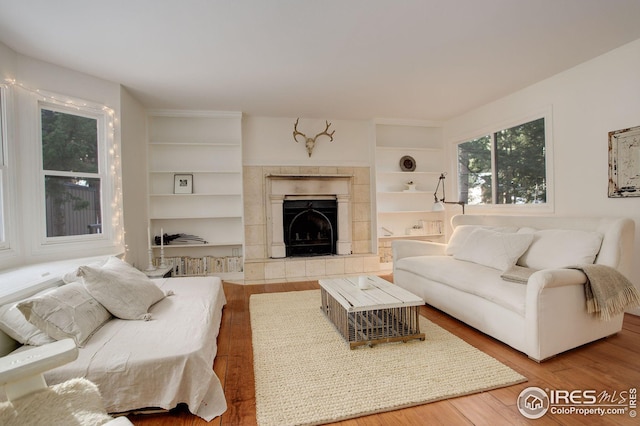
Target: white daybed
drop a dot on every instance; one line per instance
(159, 363)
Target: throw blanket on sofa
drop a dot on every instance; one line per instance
(608, 292)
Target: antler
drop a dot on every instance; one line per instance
(325, 131)
(296, 132)
(311, 142)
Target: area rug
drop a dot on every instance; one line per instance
(305, 372)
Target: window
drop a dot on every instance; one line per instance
(508, 166)
(72, 172)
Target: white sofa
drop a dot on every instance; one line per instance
(542, 316)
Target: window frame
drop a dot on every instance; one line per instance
(111, 240)
(549, 205)
(102, 153)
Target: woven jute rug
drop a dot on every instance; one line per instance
(305, 372)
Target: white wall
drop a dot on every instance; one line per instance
(134, 179)
(269, 141)
(7, 62)
(588, 101)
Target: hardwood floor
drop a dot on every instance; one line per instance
(611, 364)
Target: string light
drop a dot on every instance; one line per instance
(113, 146)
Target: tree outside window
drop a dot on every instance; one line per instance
(505, 167)
(70, 163)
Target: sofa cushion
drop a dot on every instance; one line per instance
(462, 232)
(469, 277)
(125, 291)
(66, 312)
(561, 248)
(495, 249)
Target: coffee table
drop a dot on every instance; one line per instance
(382, 313)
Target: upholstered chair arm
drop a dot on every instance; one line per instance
(409, 248)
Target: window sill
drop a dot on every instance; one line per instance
(522, 209)
(25, 280)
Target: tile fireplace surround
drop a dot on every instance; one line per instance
(264, 189)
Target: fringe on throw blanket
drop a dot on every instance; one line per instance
(608, 292)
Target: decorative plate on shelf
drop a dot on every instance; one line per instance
(407, 163)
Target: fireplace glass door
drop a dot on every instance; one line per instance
(310, 227)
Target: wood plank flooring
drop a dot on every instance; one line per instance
(611, 364)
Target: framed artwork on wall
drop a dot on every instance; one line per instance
(183, 184)
(624, 163)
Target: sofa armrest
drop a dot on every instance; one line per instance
(548, 278)
(410, 248)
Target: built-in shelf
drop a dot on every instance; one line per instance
(208, 146)
(399, 210)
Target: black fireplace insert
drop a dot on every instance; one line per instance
(310, 227)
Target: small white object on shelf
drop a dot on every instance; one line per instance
(162, 262)
(411, 187)
(150, 266)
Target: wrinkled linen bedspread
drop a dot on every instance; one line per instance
(161, 362)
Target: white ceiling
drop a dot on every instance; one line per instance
(337, 59)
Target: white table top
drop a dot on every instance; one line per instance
(381, 295)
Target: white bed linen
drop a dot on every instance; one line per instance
(162, 362)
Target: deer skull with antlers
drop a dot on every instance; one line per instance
(310, 143)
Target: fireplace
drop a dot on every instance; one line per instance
(310, 226)
(300, 190)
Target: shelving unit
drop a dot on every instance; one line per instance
(400, 210)
(208, 146)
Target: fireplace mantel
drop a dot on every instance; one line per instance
(281, 185)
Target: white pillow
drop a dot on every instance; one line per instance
(16, 326)
(67, 311)
(560, 248)
(462, 232)
(72, 276)
(125, 291)
(458, 238)
(498, 250)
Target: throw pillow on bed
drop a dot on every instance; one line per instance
(72, 276)
(16, 326)
(66, 312)
(125, 291)
(498, 250)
